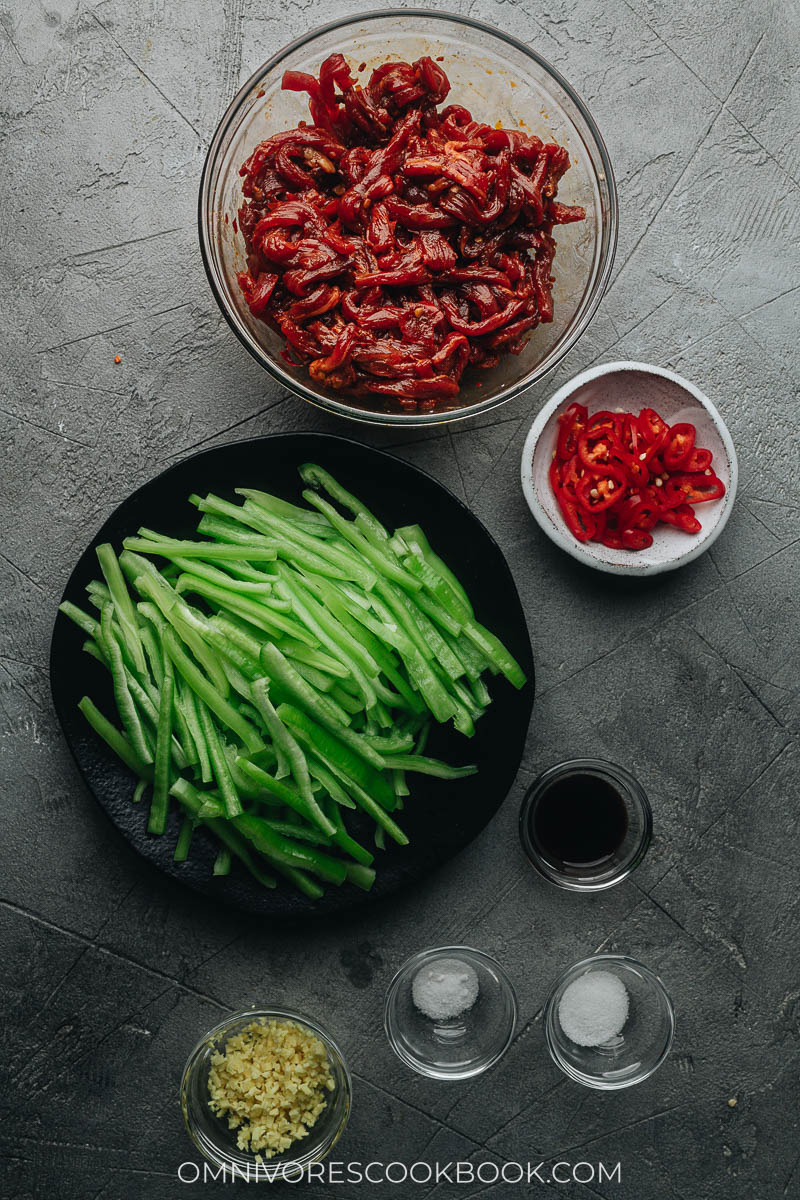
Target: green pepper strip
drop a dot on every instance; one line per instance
(331, 635)
(152, 585)
(302, 832)
(335, 600)
(329, 782)
(362, 798)
(229, 533)
(282, 508)
(99, 594)
(152, 653)
(122, 603)
(318, 679)
(343, 839)
(206, 692)
(437, 698)
(184, 840)
(495, 652)
(288, 853)
(157, 821)
(219, 763)
(314, 658)
(363, 877)
(82, 619)
(283, 740)
(290, 547)
(293, 538)
(244, 587)
(421, 630)
(350, 704)
(415, 538)
(339, 757)
(115, 739)
(200, 806)
(167, 548)
(428, 766)
(317, 477)
(263, 615)
(125, 705)
(187, 702)
(222, 863)
(277, 667)
(285, 792)
(383, 564)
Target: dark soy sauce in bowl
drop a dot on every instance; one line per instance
(585, 824)
(580, 820)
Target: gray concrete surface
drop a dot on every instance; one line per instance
(109, 972)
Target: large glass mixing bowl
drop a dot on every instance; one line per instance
(499, 79)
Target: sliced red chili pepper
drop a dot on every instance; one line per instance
(622, 475)
(639, 511)
(636, 470)
(597, 448)
(681, 517)
(694, 489)
(604, 419)
(610, 533)
(653, 429)
(629, 433)
(572, 424)
(572, 472)
(698, 460)
(580, 523)
(636, 539)
(598, 490)
(679, 445)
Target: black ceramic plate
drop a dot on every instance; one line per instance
(440, 817)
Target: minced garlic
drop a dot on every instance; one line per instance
(270, 1081)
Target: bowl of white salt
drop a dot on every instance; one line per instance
(450, 1012)
(609, 1022)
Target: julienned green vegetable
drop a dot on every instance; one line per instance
(281, 672)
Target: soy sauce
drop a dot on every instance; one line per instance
(579, 821)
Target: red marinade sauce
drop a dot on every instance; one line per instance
(394, 243)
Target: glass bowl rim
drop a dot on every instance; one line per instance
(272, 1170)
(629, 963)
(297, 387)
(416, 960)
(636, 791)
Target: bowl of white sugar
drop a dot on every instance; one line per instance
(609, 1022)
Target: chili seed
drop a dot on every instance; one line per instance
(642, 457)
(659, 483)
(594, 494)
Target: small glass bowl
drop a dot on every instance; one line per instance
(635, 843)
(462, 1046)
(645, 1039)
(498, 78)
(211, 1133)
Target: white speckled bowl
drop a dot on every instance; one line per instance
(631, 386)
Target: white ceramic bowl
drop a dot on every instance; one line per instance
(630, 386)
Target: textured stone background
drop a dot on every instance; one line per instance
(109, 971)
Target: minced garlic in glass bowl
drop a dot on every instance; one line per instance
(265, 1094)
